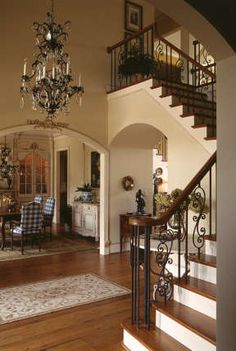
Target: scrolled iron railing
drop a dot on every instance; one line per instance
(146, 55)
(161, 254)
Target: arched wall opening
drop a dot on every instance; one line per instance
(104, 159)
(131, 154)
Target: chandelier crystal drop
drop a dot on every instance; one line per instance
(50, 82)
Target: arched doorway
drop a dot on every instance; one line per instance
(131, 154)
(92, 144)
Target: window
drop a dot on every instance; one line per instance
(34, 174)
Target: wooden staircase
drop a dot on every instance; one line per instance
(193, 103)
(192, 107)
(188, 322)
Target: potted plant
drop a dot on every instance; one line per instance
(86, 192)
(136, 62)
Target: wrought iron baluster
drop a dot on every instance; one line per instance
(210, 201)
(147, 276)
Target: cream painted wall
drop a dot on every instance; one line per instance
(90, 35)
(136, 163)
(185, 154)
(226, 219)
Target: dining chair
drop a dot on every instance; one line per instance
(30, 225)
(38, 199)
(48, 213)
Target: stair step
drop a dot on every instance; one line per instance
(150, 340)
(199, 114)
(207, 260)
(211, 131)
(210, 138)
(194, 321)
(198, 286)
(198, 120)
(196, 294)
(191, 96)
(191, 105)
(211, 237)
(179, 86)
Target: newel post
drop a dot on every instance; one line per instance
(140, 262)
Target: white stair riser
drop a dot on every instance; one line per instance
(195, 301)
(131, 343)
(203, 272)
(182, 334)
(210, 248)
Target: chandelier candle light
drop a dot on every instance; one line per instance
(50, 83)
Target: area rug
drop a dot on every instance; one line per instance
(30, 300)
(57, 245)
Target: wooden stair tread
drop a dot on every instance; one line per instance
(202, 125)
(154, 338)
(208, 260)
(211, 237)
(191, 113)
(191, 104)
(195, 321)
(198, 286)
(192, 95)
(210, 138)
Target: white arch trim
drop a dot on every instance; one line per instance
(104, 166)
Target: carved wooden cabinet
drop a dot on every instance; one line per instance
(85, 219)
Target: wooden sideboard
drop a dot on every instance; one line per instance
(126, 230)
(85, 219)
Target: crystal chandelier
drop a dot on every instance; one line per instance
(7, 169)
(50, 82)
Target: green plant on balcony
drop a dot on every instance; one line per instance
(136, 62)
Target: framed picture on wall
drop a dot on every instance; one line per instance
(95, 169)
(133, 16)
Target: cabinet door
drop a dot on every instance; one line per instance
(77, 218)
(89, 222)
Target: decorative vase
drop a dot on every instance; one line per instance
(86, 196)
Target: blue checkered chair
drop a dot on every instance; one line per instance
(29, 226)
(48, 213)
(38, 199)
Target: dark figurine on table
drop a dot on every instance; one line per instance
(140, 202)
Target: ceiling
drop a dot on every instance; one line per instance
(221, 14)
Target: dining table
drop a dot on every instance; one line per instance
(7, 215)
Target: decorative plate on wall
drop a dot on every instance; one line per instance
(127, 183)
(159, 171)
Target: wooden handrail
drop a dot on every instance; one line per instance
(153, 221)
(156, 35)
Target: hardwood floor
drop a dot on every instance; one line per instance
(86, 328)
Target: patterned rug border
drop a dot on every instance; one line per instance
(23, 257)
(126, 291)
